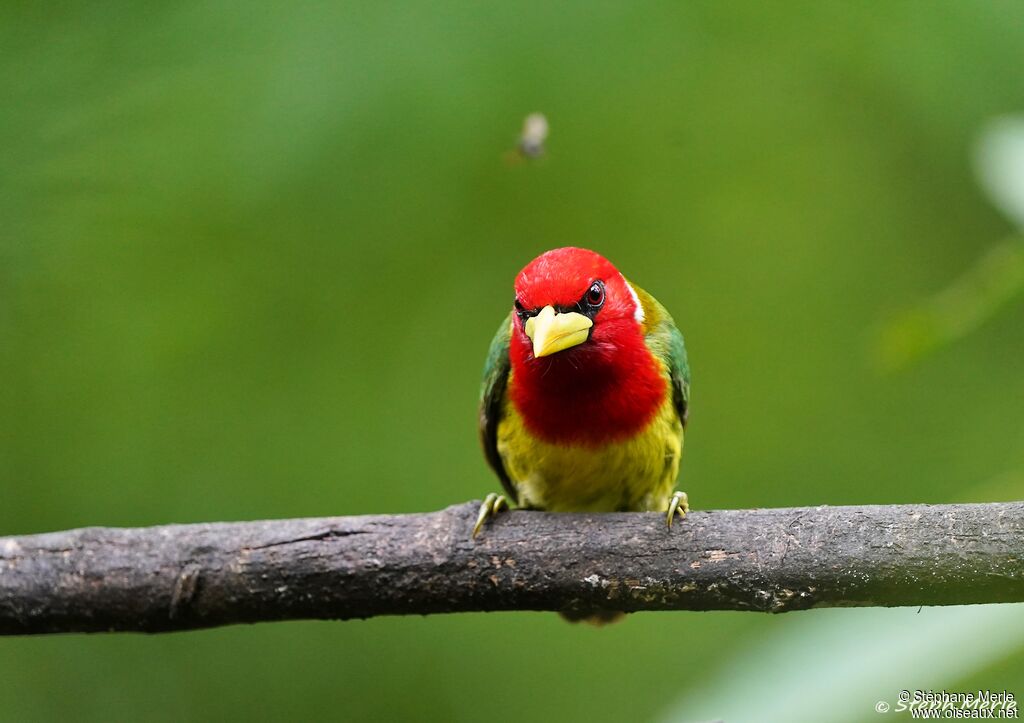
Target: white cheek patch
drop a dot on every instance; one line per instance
(639, 313)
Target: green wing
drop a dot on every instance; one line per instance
(666, 342)
(492, 403)
(679, 370)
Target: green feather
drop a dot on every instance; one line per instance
(666, 343)
(492, 402)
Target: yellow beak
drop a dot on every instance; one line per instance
(552, 332)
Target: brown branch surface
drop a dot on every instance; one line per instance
(179, 577)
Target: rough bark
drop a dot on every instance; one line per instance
(179, 577)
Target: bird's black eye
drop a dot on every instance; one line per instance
(595, 294)
(523, 313)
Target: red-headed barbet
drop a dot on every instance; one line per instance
(585, 393)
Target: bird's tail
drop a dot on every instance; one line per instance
(597, 619)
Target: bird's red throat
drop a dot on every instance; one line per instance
(604, 390)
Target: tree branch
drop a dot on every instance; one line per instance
(180, 577)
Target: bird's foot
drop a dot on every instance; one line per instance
(491, 506)
(679, 503)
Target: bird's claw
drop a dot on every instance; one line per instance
(491, 506)
(679, 503)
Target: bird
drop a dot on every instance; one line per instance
(585, 394)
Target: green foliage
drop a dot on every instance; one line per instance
(974, 297)
(251, 257)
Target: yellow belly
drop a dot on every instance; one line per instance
(635, 474)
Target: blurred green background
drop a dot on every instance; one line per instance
(252, 255)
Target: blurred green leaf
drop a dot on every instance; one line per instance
(995, 280)
(981, 291)
(999, 161)
(834, 666)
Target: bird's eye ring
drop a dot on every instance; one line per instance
(595, 294)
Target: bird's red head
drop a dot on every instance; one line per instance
(573, 280)
(581, 370)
